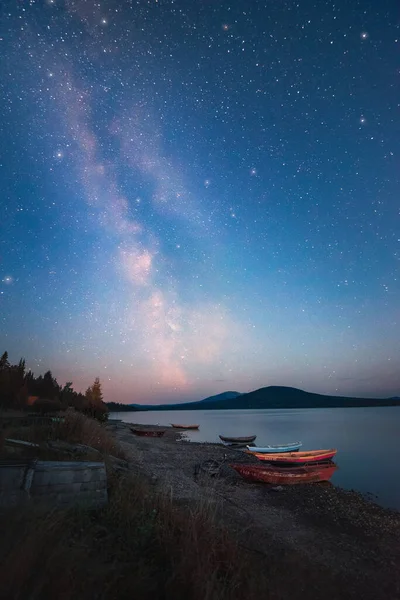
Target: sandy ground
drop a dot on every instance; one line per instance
(322, 541)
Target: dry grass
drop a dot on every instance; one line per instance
(76, 428)
(141, 546)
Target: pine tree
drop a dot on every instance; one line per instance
(94, 398)
(89, 395)
(97, 396)
(4, 364)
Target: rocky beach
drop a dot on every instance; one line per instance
(312, 537)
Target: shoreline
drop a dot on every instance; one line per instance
(340, 533)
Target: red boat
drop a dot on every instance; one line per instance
(285, 476)
(298, 458)
(148, 432)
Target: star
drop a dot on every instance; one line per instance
(156, 202)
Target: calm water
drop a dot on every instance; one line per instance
(367, 439)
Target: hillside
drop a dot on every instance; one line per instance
(219, 397)
(267, 397)
(287, 397)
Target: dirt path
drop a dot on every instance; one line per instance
(322, 541)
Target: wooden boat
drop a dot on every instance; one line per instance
(175, 426)
(234, 445)
(288, 476)
(148, 432)
(296, 457)
(291, 447)
(238, 440)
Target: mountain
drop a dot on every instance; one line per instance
(288, 397)
(223, 396)
(267, 397)
(193, 405)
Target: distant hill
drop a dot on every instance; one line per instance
(223, 396)
(267, 397)
(288, 397)
(114, 406)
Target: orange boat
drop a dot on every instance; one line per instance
(285, 476)
(176, 426)
(296, 457)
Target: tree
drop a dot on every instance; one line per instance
(4, 364)
(94, 397)
(13, 388)
(17, 384)
(97, 395)
(67, 395)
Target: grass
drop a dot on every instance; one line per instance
(76, 429)
(140, 546)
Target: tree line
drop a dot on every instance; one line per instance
(21, 390)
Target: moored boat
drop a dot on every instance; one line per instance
(176, 426)
(290, 447)
(148, 432)
(238, 440)
(310, 456)
(289, 476)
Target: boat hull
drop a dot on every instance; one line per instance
(238, 440)
(236, 444)
(298, 458)
(293, 476)
(148, 432)
(176, 426)
(293, 447)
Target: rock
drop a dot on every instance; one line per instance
(276, 488)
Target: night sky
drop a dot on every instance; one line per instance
(201, 195)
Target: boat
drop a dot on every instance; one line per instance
(291, 447)
(237, 440)
(276, 476)
(175, 426)
(233, 445)
(240, 445)
(310, 456)
(148, 432)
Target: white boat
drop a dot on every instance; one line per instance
(291, 447)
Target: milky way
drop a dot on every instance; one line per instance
(201, 196)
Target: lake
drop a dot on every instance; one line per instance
(367, 439)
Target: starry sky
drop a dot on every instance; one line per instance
(201, 196)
